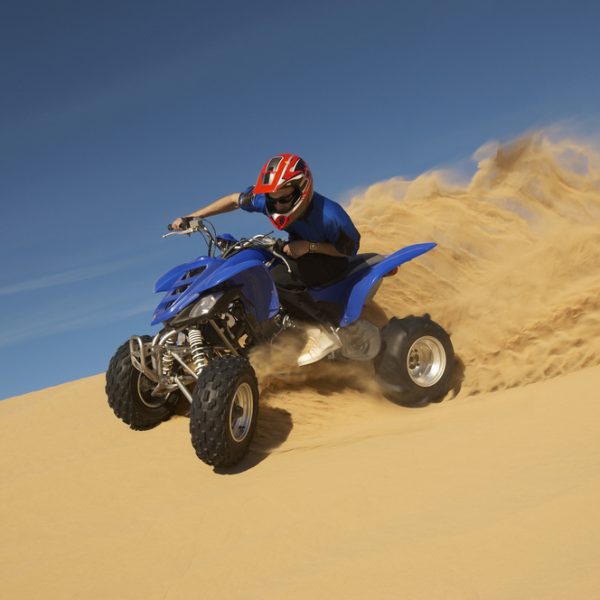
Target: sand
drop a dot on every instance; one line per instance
(493, 493)
(491, 496)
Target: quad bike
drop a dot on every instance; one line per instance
(218, 306)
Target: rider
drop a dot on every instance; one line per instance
(321, 238)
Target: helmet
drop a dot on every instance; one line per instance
(282, 172)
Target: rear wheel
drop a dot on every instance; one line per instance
(416, 361)
(129, 393)
(224, 411)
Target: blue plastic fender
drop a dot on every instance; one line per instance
(246, 269)
(361, 289)
(357, 288)
(257, 285)
(166, 281)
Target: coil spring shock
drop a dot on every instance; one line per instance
(198, 355)
(167, 363)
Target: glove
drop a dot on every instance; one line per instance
(246, 197)
(180, 224)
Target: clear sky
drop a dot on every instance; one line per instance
(116, 117)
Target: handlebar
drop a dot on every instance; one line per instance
(195, 224)
(190, 223)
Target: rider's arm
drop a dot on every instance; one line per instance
(298, 248)
(222, 205)
(324, 248)
(344, 244)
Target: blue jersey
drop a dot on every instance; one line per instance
(323, 221)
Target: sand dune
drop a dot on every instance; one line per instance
(490, 494)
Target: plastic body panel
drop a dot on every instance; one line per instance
(352, 292)
(246, 269)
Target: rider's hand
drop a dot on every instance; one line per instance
(180, 223)
(296, 249)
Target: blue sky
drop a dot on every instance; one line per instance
(116, 117)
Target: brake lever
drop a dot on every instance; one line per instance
(283, 259)
(178, 232)
(192, 223)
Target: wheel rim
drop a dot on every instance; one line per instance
(241, 410)
(426, 361)
(144, 389)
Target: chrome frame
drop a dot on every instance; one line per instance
(222, 336)
(147, 357)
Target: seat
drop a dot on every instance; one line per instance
(355, 265)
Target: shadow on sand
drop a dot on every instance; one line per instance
(458, 376)
(275, 424)
(273, 428)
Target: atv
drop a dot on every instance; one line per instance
(216, 308)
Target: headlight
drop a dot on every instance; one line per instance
(205, 304)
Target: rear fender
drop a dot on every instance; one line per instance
(362, 288)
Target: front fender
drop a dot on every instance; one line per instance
(245, 270)
(166, 281)
(256, 284)
(360, 291)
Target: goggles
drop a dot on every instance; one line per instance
(286, 200)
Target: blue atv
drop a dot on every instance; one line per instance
(219, 306)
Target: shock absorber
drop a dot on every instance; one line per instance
(166, 358)
(196, 346)
(167, 362)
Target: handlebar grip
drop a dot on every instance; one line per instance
(185, 223)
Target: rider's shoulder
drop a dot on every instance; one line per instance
(323, 202)
(329, 206)
(320, 198)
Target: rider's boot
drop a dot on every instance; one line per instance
(322, 339)
(320, 342)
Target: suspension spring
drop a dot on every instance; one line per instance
(196, 346)
(167, 363)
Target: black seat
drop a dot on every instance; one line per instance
(355, 264)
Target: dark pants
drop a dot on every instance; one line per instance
(310, 270)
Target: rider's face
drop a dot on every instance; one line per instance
(283, 197)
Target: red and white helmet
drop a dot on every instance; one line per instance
(281, 172)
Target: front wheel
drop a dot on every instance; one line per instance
(224, 411)
(129, 393)
(416, 361)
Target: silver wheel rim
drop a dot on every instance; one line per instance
(145, 396)
(426, 361)
(241, 410)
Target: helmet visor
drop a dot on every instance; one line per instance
(282, 202)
